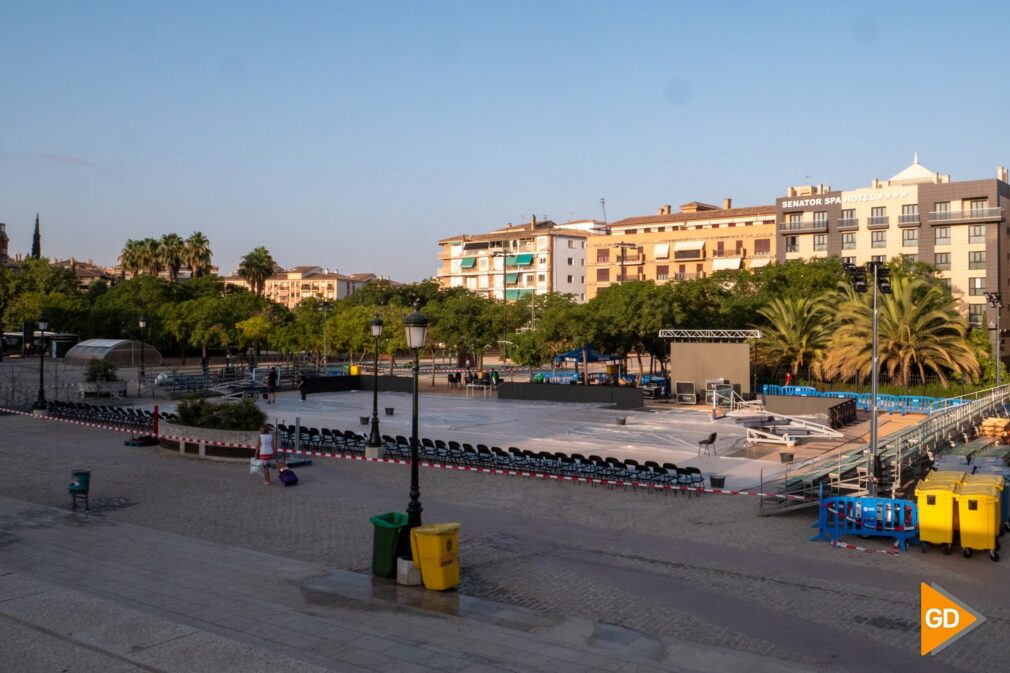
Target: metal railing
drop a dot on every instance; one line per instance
(878, 221)
(848, 223)
(972, 214)
(805, 225)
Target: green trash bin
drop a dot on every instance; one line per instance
(385, 541)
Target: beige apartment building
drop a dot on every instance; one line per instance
(518, 261)
(302, 282)
(3, 243)
(694, 242)
(959, 227)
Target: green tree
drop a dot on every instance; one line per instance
(795, 333)
(255, 268)
(197, 254)
(171, 254)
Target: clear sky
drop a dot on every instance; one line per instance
(355, 135)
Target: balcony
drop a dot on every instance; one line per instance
(730, 253)
(848, 224)
(688, 276)
(804, 227)
(911, 220)
(634, 259)
(879, 222)
(973, 215)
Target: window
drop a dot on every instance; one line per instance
(821, 218)
(792, 244)
(878, 239)
(879, 259)
(762, 247)
(541, 278)
(647, 230)
(602, 256)
(849, 260)
(878, 215)
(719, 249)
(662, 272)
(910, 214)
(942, 261)
(795, 220)
(910, 238)
(603, 275)
(947, 284)
(699, 270)
(631, 231)
(739, 247)
(571, 261)
(571, 243)
(976, 233)
(820, 243)
(976, 260)
(848, 218)
(848, 240)
(941, 235)
(977, 207)
(976, 286)
(941, 210)
(976, 315)
(911, 259)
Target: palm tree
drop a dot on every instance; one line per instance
(919, 330)
(797, 333)
(147, 256)
(197, 254)
(171, 249)
(256, 267)
(129, 258)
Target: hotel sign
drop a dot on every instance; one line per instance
(812, 202)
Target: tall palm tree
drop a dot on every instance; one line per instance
(147, 256)
(129, 258)
(796, 335)
(197, 254)
(919, 330)
(171, 249)
(256, 267)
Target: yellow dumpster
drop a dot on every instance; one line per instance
(355, 370)
(978, 515)
(435, 548)
(946, 476)
(998, 483)
(937, 513)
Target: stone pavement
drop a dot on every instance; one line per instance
(185, 560)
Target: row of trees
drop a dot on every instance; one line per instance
(811, 319)
(170, 253)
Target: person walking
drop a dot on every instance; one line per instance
(265, 451)
(272, 386)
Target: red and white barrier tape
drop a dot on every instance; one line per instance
(852, 547)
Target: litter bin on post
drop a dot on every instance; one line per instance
(435, 549)
(79, 486)
(384, 542)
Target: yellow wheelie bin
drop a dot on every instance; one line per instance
(978, 518)
(937, 512)
(435, 548)
(1000, 484)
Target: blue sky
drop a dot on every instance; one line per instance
(355, 135)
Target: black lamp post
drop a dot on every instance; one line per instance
(995, 300)
(143, 326)
(416, 326)
(43, 326)
(374, 438)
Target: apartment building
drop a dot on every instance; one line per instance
(694, 242)
(302, 282)
(518, 261)
(960, 227)
(3, 243)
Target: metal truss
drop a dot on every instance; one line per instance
(710, 334)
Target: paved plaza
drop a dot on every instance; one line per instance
(191, 565)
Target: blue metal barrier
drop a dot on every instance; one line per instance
(868, 517)
(902, 404)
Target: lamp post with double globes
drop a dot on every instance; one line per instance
(40, 403)
(143, 326)
(416, 327)
(374, 438)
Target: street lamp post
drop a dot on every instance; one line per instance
(40, 403)
(416, 327)
(995, 300)
(143, 326)
(374, 438)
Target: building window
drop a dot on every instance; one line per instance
(946, 282)
(976, 233)
(762, 247)
(941, 210)
(603, 275)
(820, 243)
(910, 214)
(941, 235)
(662, 272)
(849, 240)
(792, 244)
(878, 215)
(910, 259)
(848, 218)
(976, 286)
(541, 278)
(941, 260)
(878, 259)
(878, 239)
(571, 243)
(977, 207)
(795, 221)
(910, 238)
(849, 260)
(647, 230)
(976, 315)
(569, 279)
(571, 261)
(976, 260)
(821, 218)
(602, 256)
(739, 248)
